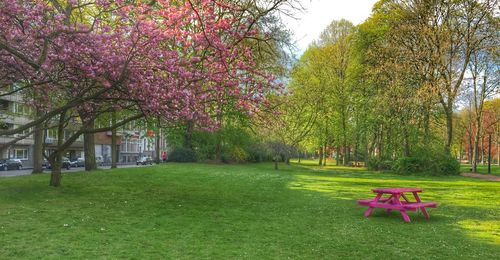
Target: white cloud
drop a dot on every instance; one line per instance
(319, 13)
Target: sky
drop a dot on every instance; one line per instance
(319, 13)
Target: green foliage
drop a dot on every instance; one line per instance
(182, 155)
(427, 162)
(238, 154)
(258, 153)
(205, 145)
(379, 165)
(232, 143)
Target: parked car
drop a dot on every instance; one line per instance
(80, 162)
(45, 163)
(10, 164)
(72, 164)
(145, 160)
(66, 164)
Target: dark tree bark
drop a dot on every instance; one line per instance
(489, 154)
(89, 147)
(337, 156)
(38, 138)
(320, 156)
(157, 144)
(324, 154)
(113, 142)
(55, 175)
(55, 159)
(498, 152)
(449, 129)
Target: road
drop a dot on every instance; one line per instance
(75, 169)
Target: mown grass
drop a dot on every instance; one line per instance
(193, 211)
(481, 168)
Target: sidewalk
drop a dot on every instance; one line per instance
(27, 171)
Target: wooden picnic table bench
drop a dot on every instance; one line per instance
(394, 202)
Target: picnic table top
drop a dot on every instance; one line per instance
(396, 190)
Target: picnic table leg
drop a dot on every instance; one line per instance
(404, 197)
(368, 212)
(424, 211)
(390, 202)
(403, 212)
(405, 216)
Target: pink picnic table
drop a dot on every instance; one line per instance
(394, 202)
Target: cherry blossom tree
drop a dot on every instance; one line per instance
(175, 60)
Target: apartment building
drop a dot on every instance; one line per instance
(12, 114)
(132, 141)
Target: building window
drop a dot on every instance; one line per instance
(21, 109)
(21, 154)
(52, 133)
(130, 145)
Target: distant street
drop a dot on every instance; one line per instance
(74, 169)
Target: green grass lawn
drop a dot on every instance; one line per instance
(193, 211)
(495, 169)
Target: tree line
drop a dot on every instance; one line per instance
(388, 91)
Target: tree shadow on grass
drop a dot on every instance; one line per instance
(466, 223)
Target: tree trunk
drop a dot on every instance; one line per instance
(337, 156)
(89, 148)
(489, 154)
(348, 155)
(483, 160)
(276, 161)
(320, 156)
(300, 155)
(355, 152)
(157, 142)
(460, 153)
(471, 158)
(55, 175)
(325, 155)
(113, 142)
(449, 129)
(56, 158)
(475, 153)
(498, 152)
(381, 143)
(38, 137)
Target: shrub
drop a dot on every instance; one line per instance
(449, 166)
(379, 165)
(238, 154)
(225, 158)
(258, 153)
(427, 162)
(183, 155)
(408, 165)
